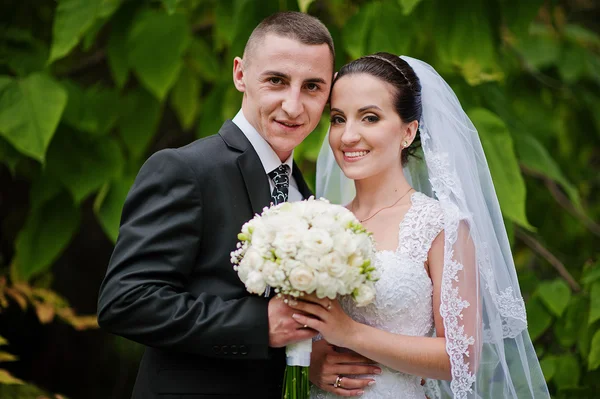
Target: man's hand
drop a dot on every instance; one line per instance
(326, 365)
(283, 329)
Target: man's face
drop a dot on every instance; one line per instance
(286, 86)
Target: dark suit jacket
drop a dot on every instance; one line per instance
(170, 284)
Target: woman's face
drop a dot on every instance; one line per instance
(366, 133)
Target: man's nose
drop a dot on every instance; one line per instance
(292, 103)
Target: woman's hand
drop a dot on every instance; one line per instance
(327, 317)
(350, 370)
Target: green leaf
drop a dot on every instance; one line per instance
(43, 189)
(171, 5)
(94, 110)
(23, 53)
(9, 156)
(594, 302)
(567, 329)
(567, 372)
(72, 20)
(155, 44)
(91, 162)
(538, 318)
(555, 295)
(224, 28)
(185, 98)
(548, 365)
(109, 205)
(594, 358)
(518, 16)
(499, 151)
(203, 60)
(572, 63)
(358, 29)
(211, 117)
(389, 17)
(464, 38)
(137, 131)
(30, 110)
(535, 157)
(304, 4)
(540, 48)
(46, 234)
(591, 275)
(117, 53)
(408, 5)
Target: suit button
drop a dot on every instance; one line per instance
(234, 350)
(224, 349)
(243, 350)
(216, 348)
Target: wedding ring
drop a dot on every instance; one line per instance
(338, 382)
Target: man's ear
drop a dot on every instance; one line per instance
(238, 74)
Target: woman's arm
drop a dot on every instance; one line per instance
(422, 356)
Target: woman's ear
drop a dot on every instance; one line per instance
(410, 131)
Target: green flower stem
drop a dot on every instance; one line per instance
(296, 383)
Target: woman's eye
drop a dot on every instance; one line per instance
(371, 118)
(336, 120)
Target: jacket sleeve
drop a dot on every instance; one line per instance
(143, 295)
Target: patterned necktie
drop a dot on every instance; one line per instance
(281, 182)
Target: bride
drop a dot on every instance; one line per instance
(448, 306)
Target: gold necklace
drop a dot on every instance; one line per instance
(387, 207)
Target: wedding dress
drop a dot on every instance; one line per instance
(403, 302)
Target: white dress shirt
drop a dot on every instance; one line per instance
(267, 155)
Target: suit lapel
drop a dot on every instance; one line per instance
(253, 173)
(302, 186)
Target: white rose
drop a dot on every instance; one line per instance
(303, 279)
(253, 258)
(243, 270)
(345, 243)
(309, 258)
(333, 264)
(325, 222)
(256, 283)
(318, 240)
(364, 295)
(327, 286)
(346, 217)
(286, 242)
(270, 274)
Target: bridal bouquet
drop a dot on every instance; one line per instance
(305, 247)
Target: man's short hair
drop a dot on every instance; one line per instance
(293, 25)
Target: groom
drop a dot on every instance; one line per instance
(170, 284)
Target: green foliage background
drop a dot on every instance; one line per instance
(90, 88)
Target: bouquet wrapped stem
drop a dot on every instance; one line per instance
(296, 384)
(303, 248)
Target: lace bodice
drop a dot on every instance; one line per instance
(403, 303)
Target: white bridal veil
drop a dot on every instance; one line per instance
(483, 311)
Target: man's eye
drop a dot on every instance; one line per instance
(275, 81)
(312, 87)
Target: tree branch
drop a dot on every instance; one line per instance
(563, 200)
(538, 248)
